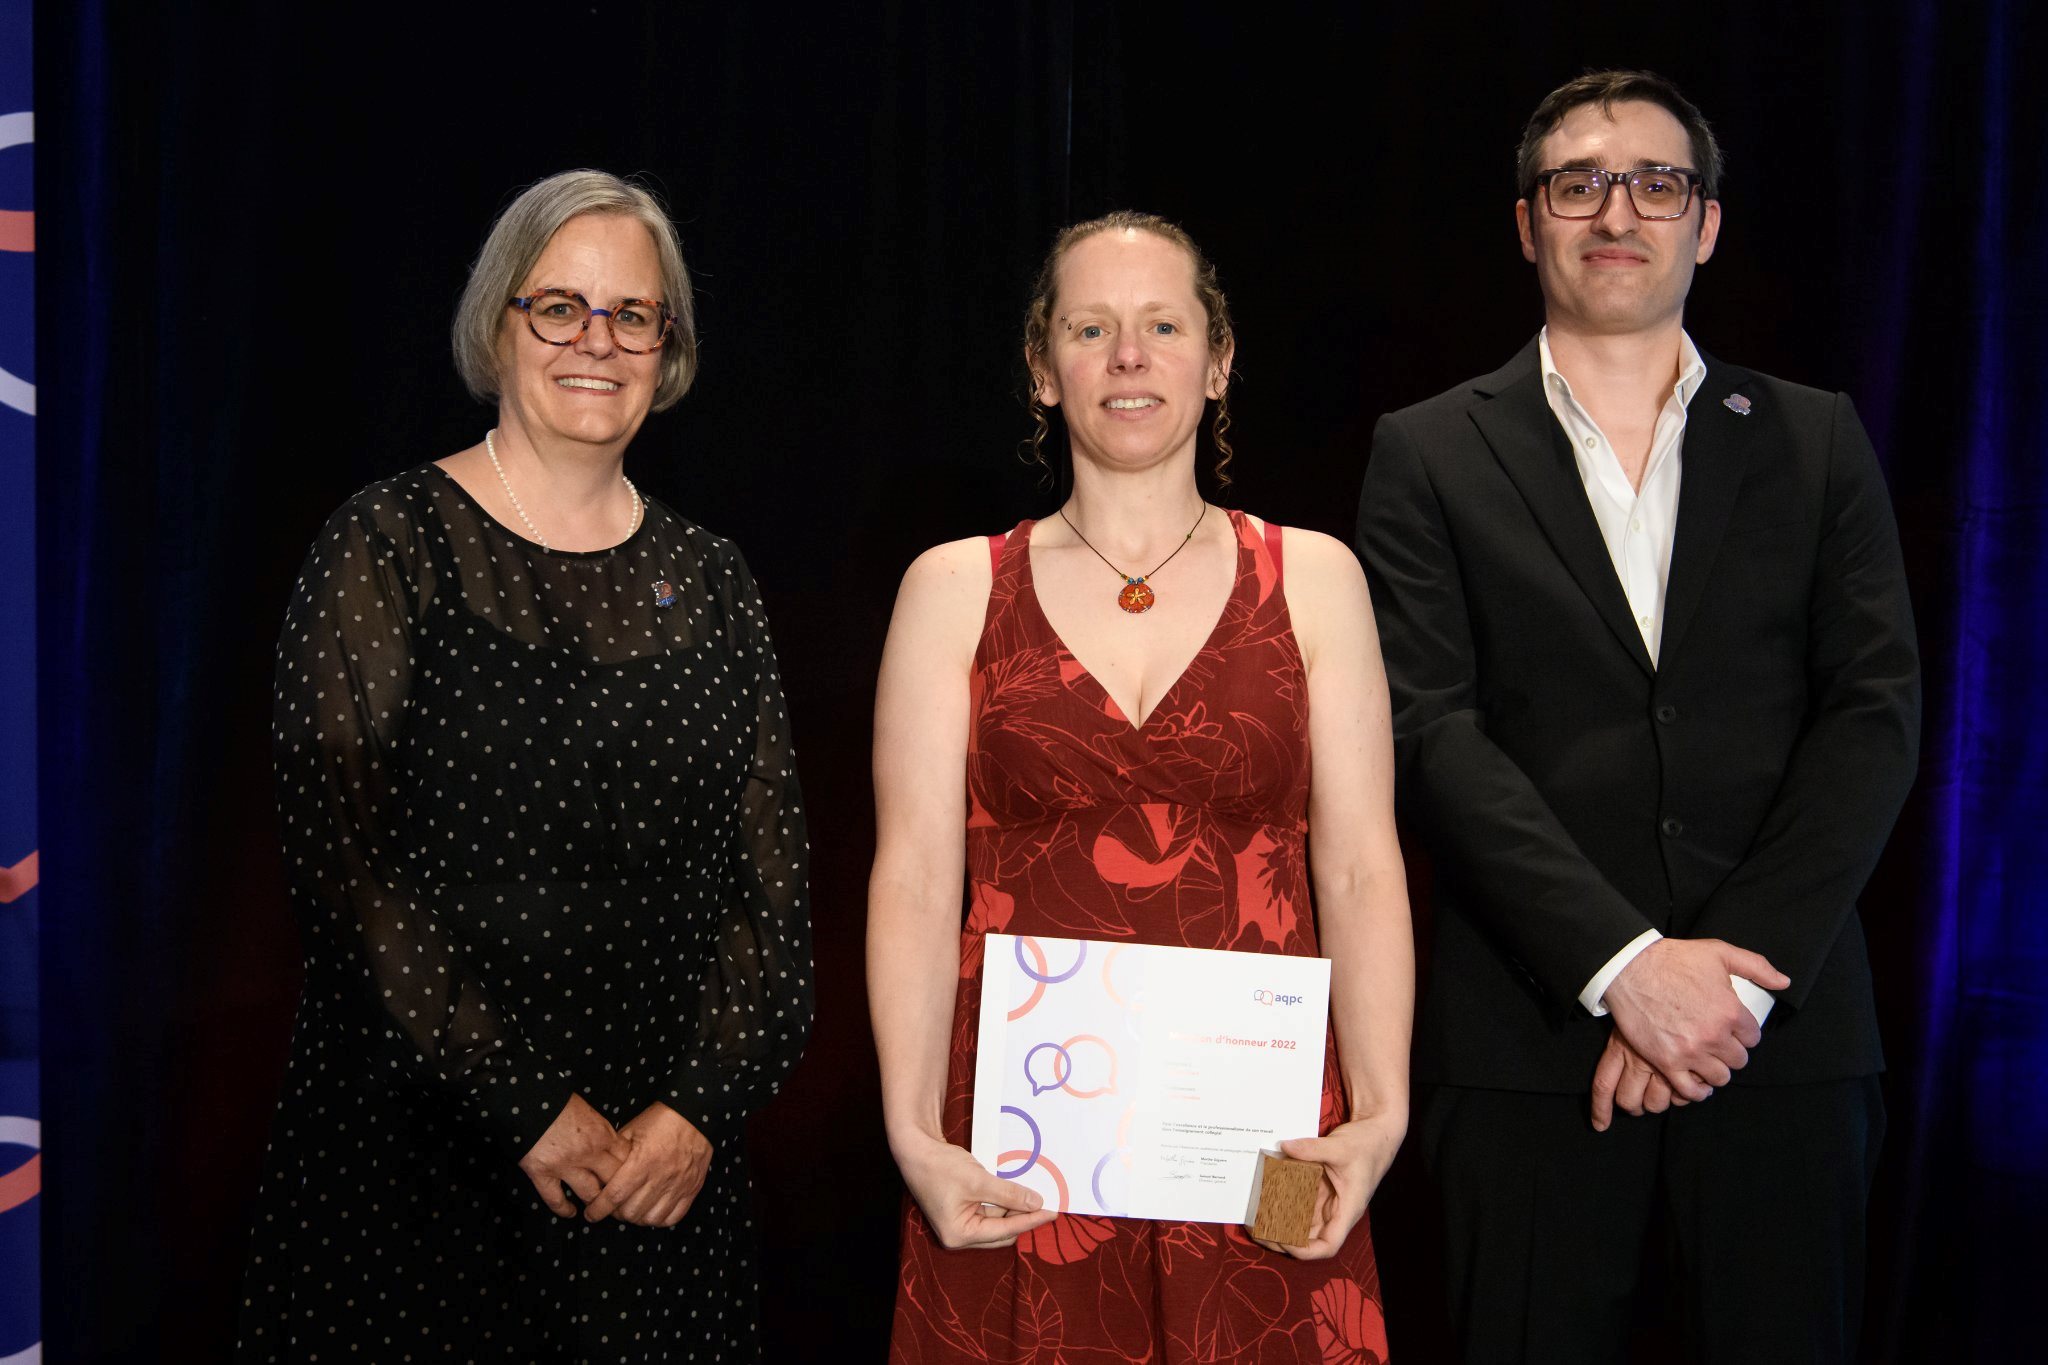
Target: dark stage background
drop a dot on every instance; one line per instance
(254, 226)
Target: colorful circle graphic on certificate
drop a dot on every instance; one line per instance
(1062, 1067)
(1030, 1157)
(1102, 1201)
(1040, 978)
(1060, 1070)
(1039, 974)
(1042, 1163)
(1028, 1161)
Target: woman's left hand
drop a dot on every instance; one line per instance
(1354, 1157)
(663, 1172)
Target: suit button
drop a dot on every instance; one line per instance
(1667, 714)
(1672, 826)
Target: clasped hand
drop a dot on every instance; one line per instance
(1680, 1030)
(648, 1172)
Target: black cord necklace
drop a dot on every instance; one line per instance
(1136, 595)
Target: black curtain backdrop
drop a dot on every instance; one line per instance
(255, 222)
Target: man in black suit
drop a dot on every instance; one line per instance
(1656, 706)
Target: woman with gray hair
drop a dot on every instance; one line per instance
(546, 847)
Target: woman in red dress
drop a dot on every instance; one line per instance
(1105, 723)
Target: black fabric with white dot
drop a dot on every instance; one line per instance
(545, 838)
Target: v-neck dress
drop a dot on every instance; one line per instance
(1188, 829)
(545, 838)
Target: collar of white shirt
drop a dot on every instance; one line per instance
(1692, 372)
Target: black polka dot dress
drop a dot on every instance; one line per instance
(545, 838)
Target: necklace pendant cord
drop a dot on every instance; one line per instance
(1136, 595)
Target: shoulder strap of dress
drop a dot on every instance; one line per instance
(995, 551)
(1273, 550)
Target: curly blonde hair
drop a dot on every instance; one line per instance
(1038, 326)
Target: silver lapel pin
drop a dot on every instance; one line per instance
(1736, 404)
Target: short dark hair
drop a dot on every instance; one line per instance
(1607, 89)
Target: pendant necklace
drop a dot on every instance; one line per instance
(1136, 595)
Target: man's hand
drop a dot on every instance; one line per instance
(1623, 1078)
(1673, 1005)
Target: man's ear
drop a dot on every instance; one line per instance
(1710, 230)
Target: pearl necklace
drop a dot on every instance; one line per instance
(491, 449)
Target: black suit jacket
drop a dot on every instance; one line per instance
(1571, 793)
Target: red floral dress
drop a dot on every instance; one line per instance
(1188, 829)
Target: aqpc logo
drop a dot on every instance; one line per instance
(1265, 997)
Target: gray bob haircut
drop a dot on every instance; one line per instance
(522, 233)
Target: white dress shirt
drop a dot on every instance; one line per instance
(1639, 526)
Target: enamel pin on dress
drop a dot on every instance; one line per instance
(664, 593)
(1736, 404)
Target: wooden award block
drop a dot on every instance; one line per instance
(1284, 1195)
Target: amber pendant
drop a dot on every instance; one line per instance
(1137, 596)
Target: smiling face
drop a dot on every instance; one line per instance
(1128, 361)
(591, 391)
(1616, 273)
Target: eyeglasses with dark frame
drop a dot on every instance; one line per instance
(560, 317)
(1654, 192)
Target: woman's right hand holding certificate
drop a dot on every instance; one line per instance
(965, 1205)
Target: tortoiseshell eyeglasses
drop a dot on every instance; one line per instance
(560, 317)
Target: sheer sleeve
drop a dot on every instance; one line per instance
(754, 1009)
(344, 673)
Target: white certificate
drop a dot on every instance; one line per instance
(1139, 1081)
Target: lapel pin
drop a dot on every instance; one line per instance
(664, 593)
(1736, 404)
